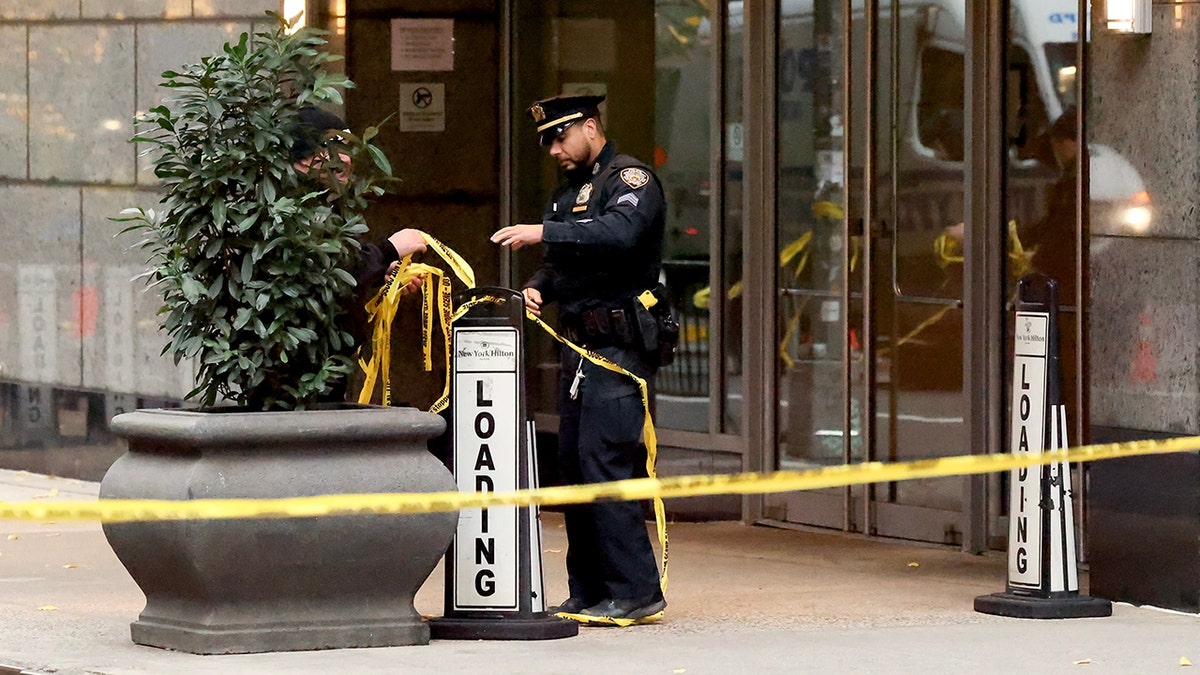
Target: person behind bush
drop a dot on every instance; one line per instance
(375, 263)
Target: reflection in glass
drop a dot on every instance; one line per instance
(730, 271)
(685, 55)
(813, 324)
(663, 96)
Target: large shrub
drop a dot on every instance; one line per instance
(251, 256)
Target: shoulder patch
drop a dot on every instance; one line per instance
(634, 177)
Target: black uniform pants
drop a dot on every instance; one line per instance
(608, 550)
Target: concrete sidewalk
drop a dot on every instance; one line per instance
(742, 599)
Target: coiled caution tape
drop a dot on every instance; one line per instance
(436, 298)
(118, 510)
(649, 437)
(382, 310)
(948, 251)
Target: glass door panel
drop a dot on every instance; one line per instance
(1041, 205)
(815, 334)
(917, 266)
(673, 79)
(906, 179)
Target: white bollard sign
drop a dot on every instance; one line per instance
(494, 586)
(486, 430)
(1043, 580)
(1028, 435)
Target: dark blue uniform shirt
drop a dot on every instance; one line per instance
(603, 231)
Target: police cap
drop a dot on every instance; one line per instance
(554, 115)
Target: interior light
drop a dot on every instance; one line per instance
(1128, 16)
(294, 13)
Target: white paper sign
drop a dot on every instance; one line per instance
(735, 142)
(422, 44)
(829, 167)
(423, 106)
(119, 297)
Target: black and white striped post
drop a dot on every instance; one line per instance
(1043, 578)
(494, 586)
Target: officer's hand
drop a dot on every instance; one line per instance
(518, 235)
(533, 300)
(407, 242)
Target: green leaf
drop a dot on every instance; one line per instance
(218, 213)
(192, 290)
(380, 159)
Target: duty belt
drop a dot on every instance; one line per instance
(601, 327)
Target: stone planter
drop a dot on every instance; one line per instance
(254, 585)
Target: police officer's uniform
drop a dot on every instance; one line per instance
(603, 231)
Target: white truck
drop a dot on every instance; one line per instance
(920, 125)
(929, 124)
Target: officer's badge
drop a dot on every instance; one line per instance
(539, 114)
(585, 194)
(634, 177)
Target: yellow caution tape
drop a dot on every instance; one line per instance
(948, 251)
(382, 312)
(610, 621)
(797, 248)
(828, 209)
(649, 437)
(790, 251)
(118, 510)
(912, 334)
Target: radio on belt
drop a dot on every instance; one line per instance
(494, 585)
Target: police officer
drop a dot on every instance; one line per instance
(603, 231)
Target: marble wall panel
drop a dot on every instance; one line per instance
(14, 151)
(40, 294)
(121, 343)
(168, 46)
(1145, 105)
(136, 9)
(81, 103)
(235, 8)
(41, 9)
(422, 7)
(1144, 318)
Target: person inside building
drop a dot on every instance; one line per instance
(1052, 237)
(374, 264)
(603, 235)
(1049, 242)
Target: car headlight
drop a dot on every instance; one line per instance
(1134, 215)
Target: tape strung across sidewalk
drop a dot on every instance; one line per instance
(639, 488)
